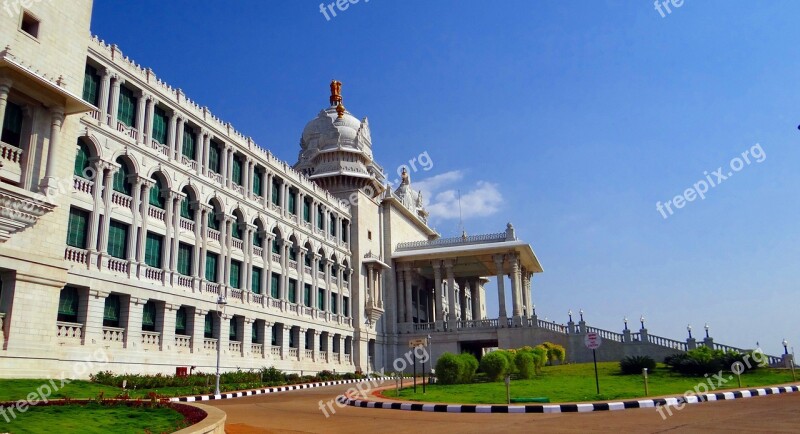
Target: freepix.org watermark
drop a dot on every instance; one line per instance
(14, 7)
(700, 188)
(329, 10)
(664, 5)
(42, 393)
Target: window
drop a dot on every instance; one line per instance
(149, 317)
(208, 327)
(255, 281)
(68, 305)
(12, 125)
(76, 228)
(211, 267)
(236, 229)
(30, 24)
(320, 218)
(332, 226)
(236, 173)
(186, 211)
(292, 204)
(213, 157)
(258, 239)
(180, 321)
(152, 250)
(82, 163)
(236, 274)
(188, 142)
(126, 109)
(307, 295)
(292, 340)
(233, 332)
(333, 303)
(346, 306)
(306, 211)
(274, 285)
(321, 265)
(320, 299)
(117, 239)
(257, 182)
(213, 223)
(276, 195)
(307, 259)
(275, 330)
(111, 311)
(343, 232)
(91, 83)
(160, 125)
(156, 199)
(293, 253)
(308, 340)
(121, 184)
(255, 336)
(185, 259)
(292, 291)
(345, 275)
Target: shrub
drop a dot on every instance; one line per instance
(539, 357)
(525, 365)
(272, 376)
(469, 365)
(634, 364)
(448, 369)
(510, 356)
(703, 360)
(555, 352)
(494, 365)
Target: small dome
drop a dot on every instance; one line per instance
(329, 131)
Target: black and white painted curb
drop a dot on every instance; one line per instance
(264, 391)
(570, 408)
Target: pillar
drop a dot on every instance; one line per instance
(5, 88)
(105, 90)
(144, 136)
(114, 109)
(451, 293)
(198, 331)
(407, 297)
(515, 290)
(50, 183)
(501, 291)
(438, 296)
(400, 295)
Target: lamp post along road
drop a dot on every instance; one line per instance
(221, 302)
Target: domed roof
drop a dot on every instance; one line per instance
(330, 131)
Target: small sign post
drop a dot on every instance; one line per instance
(593, 342)
(414, 343)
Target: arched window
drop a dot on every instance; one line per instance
(258, 238)
(236, 229)
(156, 199)
(186, 211)
(121, 184)
(213, 223)
(82, 163)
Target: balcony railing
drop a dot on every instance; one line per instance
(151, 339)
(323, 355)
(238, 188)
(276, 258)
(209, 344)
(163, 149)
(156, 213)
(307, 269)
(274, 302)
(212, 287)
(258, 298)
(118, 265)
(156, 274)
(125, 129)
(309, 354)
(121, 200)
(74, 254)
(237, 294)
(82, 185)
(68, 332)
(215, 177)
(183, 341)
(187, 224)
(213, 234)
(189, 162)
(347, 358)
(237, 244)
(258, 251)
(275, 350)
(235, 347)
(321, 275)
(294, 353)
(184, 281)
(292, 264)
(257, 350)
(114, 334)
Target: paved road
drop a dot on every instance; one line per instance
(298, 412)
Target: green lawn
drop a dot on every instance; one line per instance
(93, 418)
(12, 390)
(571, 383)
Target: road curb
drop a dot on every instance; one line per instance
(570, 408)
(267, 390)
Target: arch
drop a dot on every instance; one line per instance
(238, 226)
(93, 144)
(157, 197)
(83, 156)
(216, 208)
(121, 180)
(186, 210)
(131, 159)
(160, 174)
(258, 234)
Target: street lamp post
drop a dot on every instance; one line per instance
(570, 315)
(706, 327)
(368, 323)
(641, 321)
(221, 302)
(689, 329)
(785, 347)
(581, 313)
(625, 320)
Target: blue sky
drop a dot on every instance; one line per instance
(569, 119)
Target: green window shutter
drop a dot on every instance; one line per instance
(121, 184)
(77, 228)
(292, 290)
(82, 161)
(156, 199)
(274, 285)
(320, 298)
(307, 295)
(258, 240)
(274, 333)
(180, 321)
(275, 247)
(185, 259)
(213, 223)
(208, 327)
(236, 271)
(91, 82)
(346, 306)
(236, 176)
(152, 250)
(232, 330)
(255, 282)
(320, 217)
(254, 334)
(149, 316)
(117, 239)
(188, 142)
(307, 259)
(257, 182)
(306, 212)
(333, 303)
(126, 109)
(211, 267)
(236, 230)
(333, 225)
(292, 343)
(186, 211)
(293, 253)
(276, 192)
(213, 158)
(346, 276)
(12, 125)
(68, 305)
(321, 264)
(292, 205)
(160, 125)
(111, 311)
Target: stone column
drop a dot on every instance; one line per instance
(108, 177)
(168, 326)
(114, 109)
(200, 151)
(172, 134)
(147, 184)
(140, 115)
(200, 245)
(145, 135)
(136, 213)
(180, 130)
(400, 296)
(223, 163)
(50, 183)
(105, 89)
(223, 339)
(438, 296)
(407, 298)
(229, 162)
(476, 299)
(93, 329)
(283, 341)
(206, 152)
(515, 292)
(501, 290)
(247, 337)
(451, 293)
(226, 259)
(246, 177)
(198, 331)
(133, 328)
(5, 88)
(99, 168)
(171, 234)
(463, 291)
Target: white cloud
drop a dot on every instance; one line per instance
(441, 196)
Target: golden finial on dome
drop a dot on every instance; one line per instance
(340, 111)
(336, 92)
